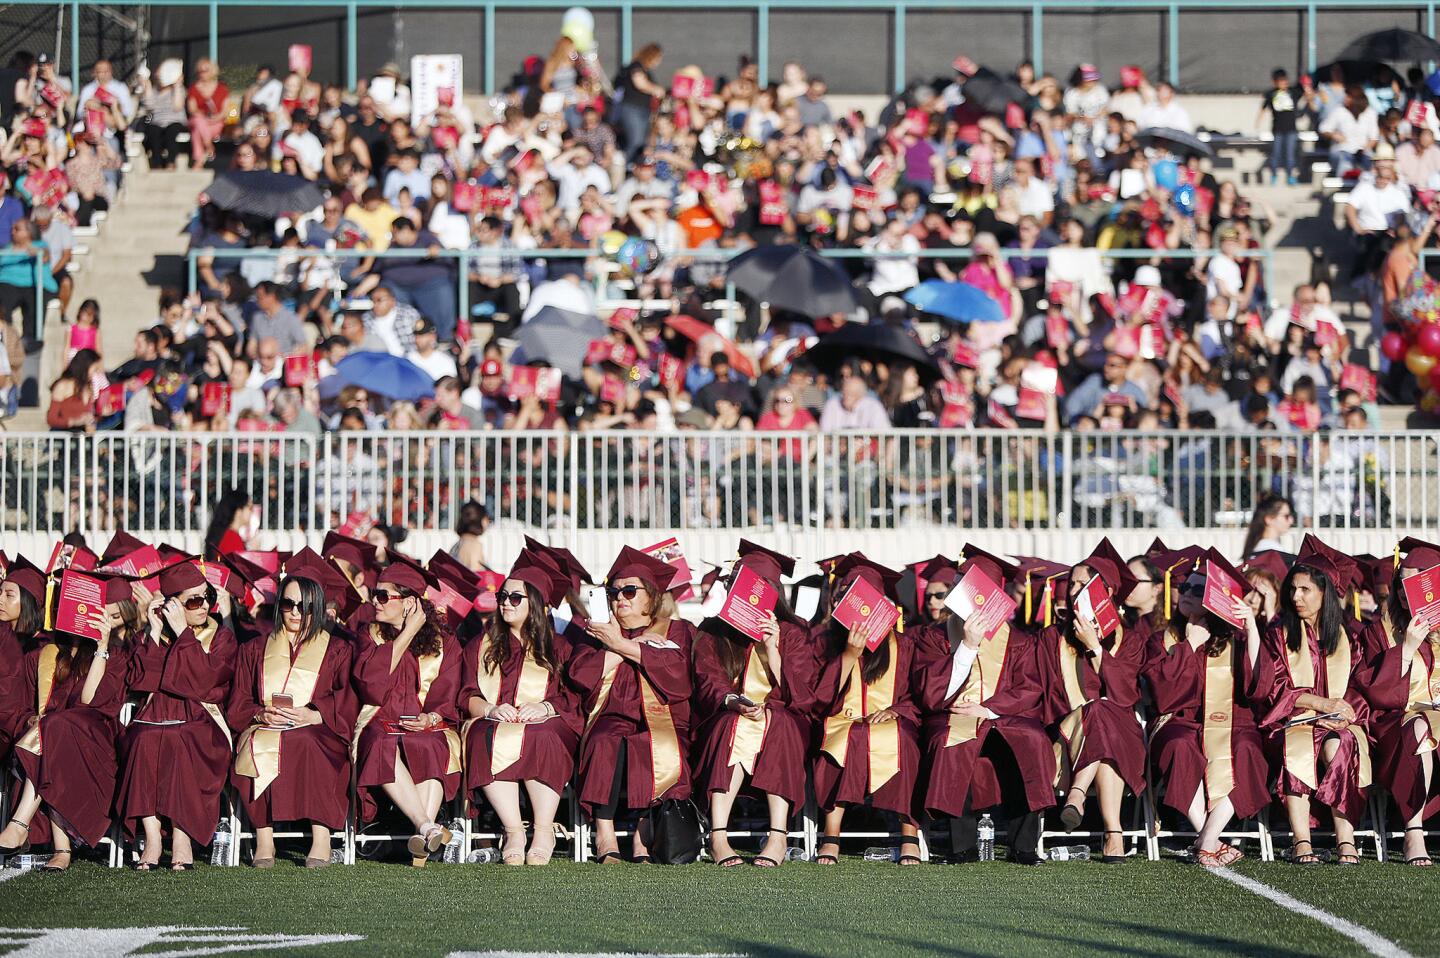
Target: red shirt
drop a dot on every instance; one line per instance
(230, 542)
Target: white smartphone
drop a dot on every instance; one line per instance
(597, 605)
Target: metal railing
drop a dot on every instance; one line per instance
(1034, 12)
(705, 480)
(42, 263)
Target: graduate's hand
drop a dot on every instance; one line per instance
(1087, 632)
(414, 621)
(1243, 611)
(222, 603)
(771, 631)
(100, 622)
(297, 716)
(882, 717)
(273, 716)
(505, 713)
(1416, 632)
(1333, 725)
(856, 643)
(417, 724)
(974, 633)
(1196, 634)
(1346, 710)
(532, 712)
(174, 614)
(970, 709)
(608, 633)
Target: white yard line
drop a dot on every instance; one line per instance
(1364, 937)
(8, 873)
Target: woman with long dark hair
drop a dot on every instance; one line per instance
(1316, 682)
(22, 599)
(754, 699)
(1091, 683)
(1403, 688)
(524, 723)
(633, 673)
(294, 711)
(71, 689)
(72, 394)
(870, 751)
(228, 522)
(407, 672)
(176, 750)
(1274, 516)
(1209, 679)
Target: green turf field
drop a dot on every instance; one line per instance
(855, 909)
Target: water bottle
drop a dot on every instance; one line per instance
(985, 838)
(454, 848)
(797, 855)
(484, 856)
(220, 845)
(337, 856)
(27, 862)
(1068, 853)
(881, 853)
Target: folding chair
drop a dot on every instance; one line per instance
(1375, 833)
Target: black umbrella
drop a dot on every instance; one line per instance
(559, 337)
(263, 194)
(992, 92)
(872, 341)
(792, 278)
(1176, 141)
(1393, 45)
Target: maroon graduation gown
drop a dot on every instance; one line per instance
(616, 717)
(314, 780)
(1109, 730)
(76, 770)
(850, 784)
(12, 663)
(1389, 691)
(1177, 680)
(779, 766)
(396, 694)
(547, 749)
(961, 777)
(177, 771)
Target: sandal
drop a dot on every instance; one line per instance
(1114, 859)
(604, 858)
(820, 857)
(1208, 859)
(16, 849)
(1228, 854)
(542, 855)
(190, 866)
(50, 865)
(1071, 815)
(765, 861)
(1346, 858)
(729, 861)
(640, 860)
(508, 856)
(1419, 861)
(1308, 858)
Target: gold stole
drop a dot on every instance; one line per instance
(862, 700)
(257, 752)
(509, 737)
(664, 740)
(367, 712)
(1300, 739)
(980, 684)
(755, 685)
(1424, 691)
(1219, 720)
(1072, 726)
(429, 668)
(44, 685)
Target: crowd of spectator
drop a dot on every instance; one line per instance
(1030, 183)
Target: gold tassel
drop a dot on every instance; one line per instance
(1029, 605)
(1355, 594)
(1397, 553)
(1049, 601)
(900, 621)
(1168, 613)
(49, 604)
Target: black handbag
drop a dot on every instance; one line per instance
(677, 832)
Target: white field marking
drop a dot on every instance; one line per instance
(8, 873)
(120, 942)
(584, 954)
(1364, 937)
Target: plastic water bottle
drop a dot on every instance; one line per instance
(1068, 853)
(454, 848)
(797, 855)
(484, 856)
(220, 845)
(881, 853)
(27, 862)
(985, 838)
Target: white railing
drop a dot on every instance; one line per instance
(767, 482)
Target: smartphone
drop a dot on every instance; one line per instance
(597, 605)
(408, 718)
(743, 700)
(282, 700)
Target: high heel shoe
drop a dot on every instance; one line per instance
(540, 856)
(509, 856)
(23, 846)
(1112, 859)
(1072, 815)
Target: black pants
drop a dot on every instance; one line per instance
(162, 144)
(506, 299)
(86, 210)
(23, 299)
(1022, 826)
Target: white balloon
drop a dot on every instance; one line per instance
(578, 16)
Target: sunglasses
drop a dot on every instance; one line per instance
(629, 592)
(1195, 589)
(382, 596)
(289, 605)
(930, 596)
(195, 602)
(510, 598)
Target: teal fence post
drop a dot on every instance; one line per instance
(214, 32)
(1037, 37)
(900, 47)
(352, 47)
(463, 293)
(40, 264)
(190, 271)
(1310, 38)
(762, 40)
(1172, 67)
(489, 45)
(627, 36)
(74, 49)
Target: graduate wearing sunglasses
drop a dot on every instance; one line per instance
(524, 722)
(634, 676)
(294, 711)
(176, 750)
(408, 674)
(71, 689)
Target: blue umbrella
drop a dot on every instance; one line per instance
(383, 374)
(960, 302)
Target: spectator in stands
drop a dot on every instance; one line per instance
(1090, 395)
(165, 119)
(1285, 108)
(390, 321)
(290, 412)
(1352, 130)
(206, 103)
(854, 406)
(18, 277)
(452, 412)
(1273, 518)
(72, 396)
(1166, 111)
(59, 243)
(274, 320)
(426, 283)
(436, 362)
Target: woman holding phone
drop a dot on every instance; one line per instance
(71, 689)
(293, 710)
(408, 675)
(1317, 716)
(524, 723)
(176, 750)
(633, 672)
(755, 697)
(22, 620)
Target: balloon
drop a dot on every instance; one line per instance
(1392, 344)
(580, 16)
(1185, 199)
(611, 241)
(1427, 339)
(1167, 174)
(1419, 363)
(1429, 402)
(583, 36)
